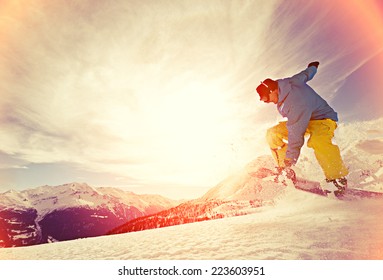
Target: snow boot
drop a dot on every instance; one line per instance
(340, 184)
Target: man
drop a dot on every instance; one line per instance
(307, 114)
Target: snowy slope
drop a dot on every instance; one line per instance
(244, 186)
(299, 226)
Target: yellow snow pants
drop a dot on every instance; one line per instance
(321, 132)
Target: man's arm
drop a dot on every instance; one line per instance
(307, 74)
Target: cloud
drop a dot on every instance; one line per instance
(10, 162)
(112, 94)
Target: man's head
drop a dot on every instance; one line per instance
(268, 91)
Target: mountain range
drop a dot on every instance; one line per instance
(70, 211)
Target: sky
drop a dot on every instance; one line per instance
(159, 96)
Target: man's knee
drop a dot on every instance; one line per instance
(319, 141)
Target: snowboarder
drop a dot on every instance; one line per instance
(307, 114)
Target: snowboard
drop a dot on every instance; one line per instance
(315, 187)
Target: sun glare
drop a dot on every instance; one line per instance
(191, 131)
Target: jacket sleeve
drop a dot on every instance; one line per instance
(304, 76)
(298, 120)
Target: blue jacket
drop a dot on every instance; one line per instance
(299, 103)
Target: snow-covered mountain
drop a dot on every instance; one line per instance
(70, 211)
(239, 194)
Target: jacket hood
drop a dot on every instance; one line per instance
(284, 89)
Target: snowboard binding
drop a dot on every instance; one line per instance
(287, 173)
(340, 184)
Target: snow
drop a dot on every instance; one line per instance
(300, 226)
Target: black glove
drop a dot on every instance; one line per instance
(315, 63)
